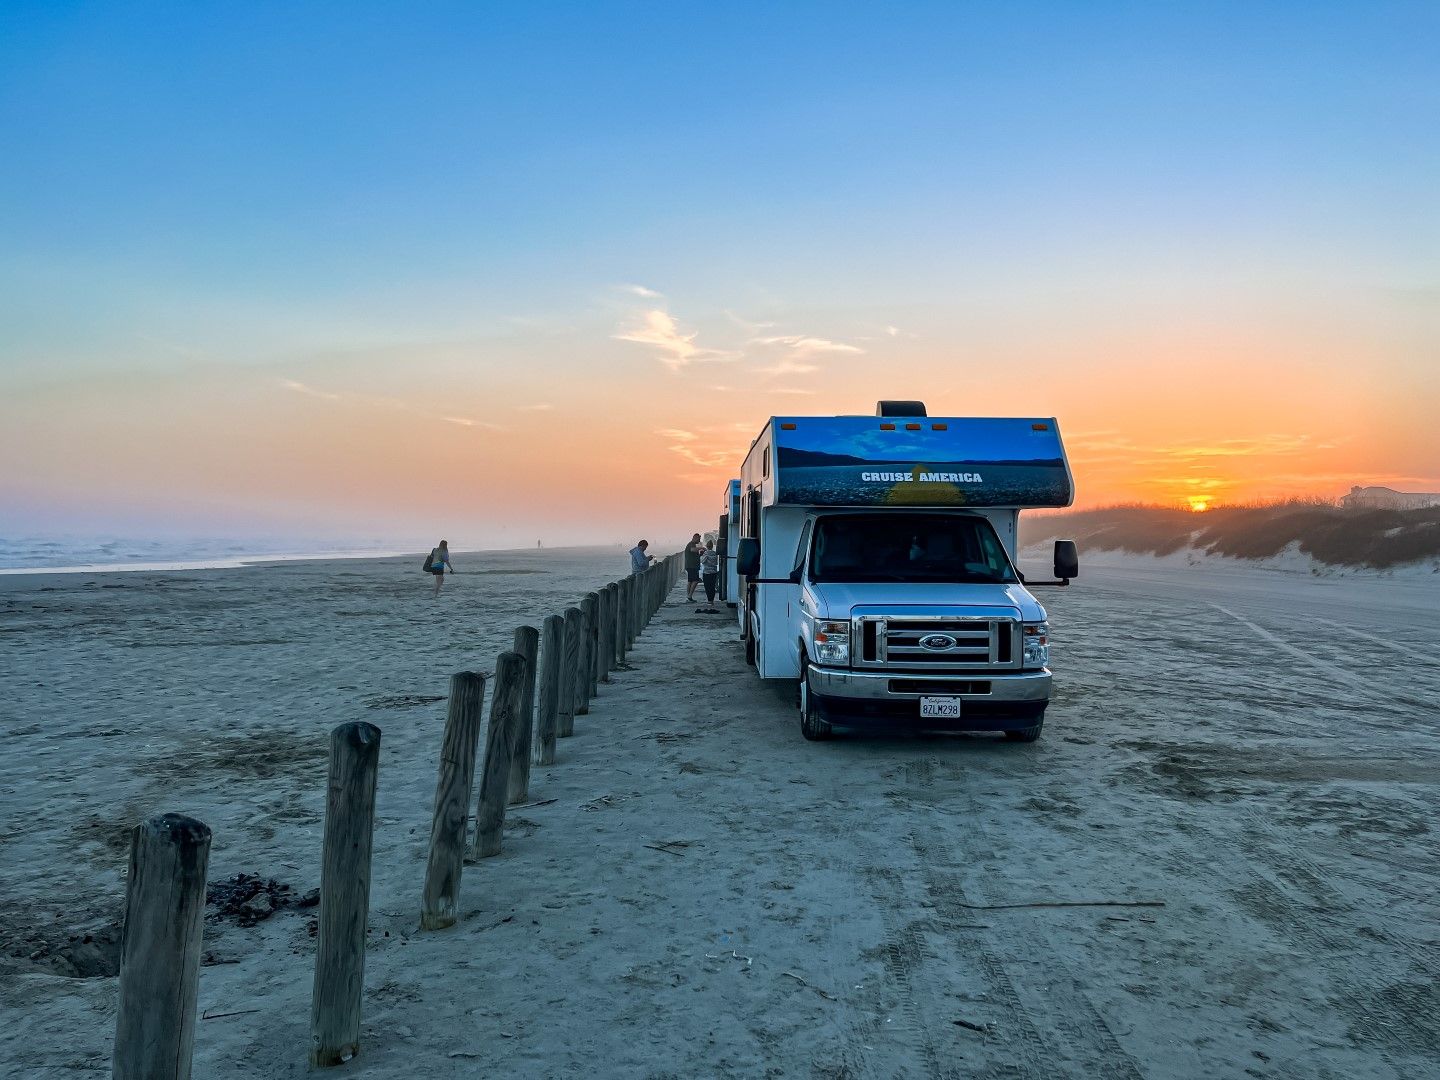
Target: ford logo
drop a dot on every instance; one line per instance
(937, 642)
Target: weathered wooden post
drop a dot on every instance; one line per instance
(650, 583)
(547, 722)
(160, 949)
(591, 606)
(527, 644)
(611, 613)
(632, 612)
(568, 671)
(586, 662)
(605, 639)
(344, 894)
(622, 603)
(499, 753)
(441, 898)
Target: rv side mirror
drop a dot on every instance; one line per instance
(747, 557)
(1067, 561)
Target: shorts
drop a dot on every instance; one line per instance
(437, 570)
(692, 575)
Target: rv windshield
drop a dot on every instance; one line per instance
(908, 547)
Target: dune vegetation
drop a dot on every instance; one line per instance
(1322, 530)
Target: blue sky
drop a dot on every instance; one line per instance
(340, 195)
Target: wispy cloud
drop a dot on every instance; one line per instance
(746, 324)
(641, 291)
(684, 443)
(539, 406)
(392, 403)
(463, 421)
(798, 354)
(659, 330)
(786, 365)
(804, 345)
(301, 388)
(1264, 444)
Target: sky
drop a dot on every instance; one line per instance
(509, 272)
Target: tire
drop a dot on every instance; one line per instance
(749, 644)
(1029, 734)
(811, 726)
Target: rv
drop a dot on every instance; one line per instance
(876, 565)
(726, 537)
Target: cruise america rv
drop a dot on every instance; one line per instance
(726, 538)
(876, 564)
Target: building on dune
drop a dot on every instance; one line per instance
(1383, 498)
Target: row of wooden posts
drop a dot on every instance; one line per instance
(165, 893)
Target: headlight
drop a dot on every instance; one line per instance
(1036, 645)
(832, 641)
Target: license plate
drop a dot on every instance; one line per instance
(947, 708)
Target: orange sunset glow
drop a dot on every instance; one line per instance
(422, 329)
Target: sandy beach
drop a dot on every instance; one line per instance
(698, 892)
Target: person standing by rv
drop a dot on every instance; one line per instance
(438, 562)
(710, 571)
(639, 561)
(693, 552)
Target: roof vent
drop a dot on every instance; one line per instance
(900, 408)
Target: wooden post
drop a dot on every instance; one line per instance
(547, 723)
(344, 894)
(586, 655)
(527, 644)
(440, 903)
(500, 742)
(632, 609)
(605, 642)
(590, 605)
(568, 670)
(622, 603)
(160, 949)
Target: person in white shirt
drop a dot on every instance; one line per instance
(710, 571)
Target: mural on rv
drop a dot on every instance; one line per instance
(854, 461)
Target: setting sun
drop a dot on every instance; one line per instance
(1199, 503)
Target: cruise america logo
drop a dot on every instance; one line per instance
(922, 477)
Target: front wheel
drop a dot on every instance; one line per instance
(811, 725)
(1029, 734)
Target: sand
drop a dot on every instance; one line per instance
(708, 894)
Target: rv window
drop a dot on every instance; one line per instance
(908, 547)
(765, 462)
(800, 547)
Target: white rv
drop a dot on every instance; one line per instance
(726, 538)
(876, 566)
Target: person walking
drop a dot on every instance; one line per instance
(693, 552)
(438, 562)
(710, 571)
(639, 561)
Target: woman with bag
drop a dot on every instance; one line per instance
(437, 562)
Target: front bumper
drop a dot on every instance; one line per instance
(989, 701)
